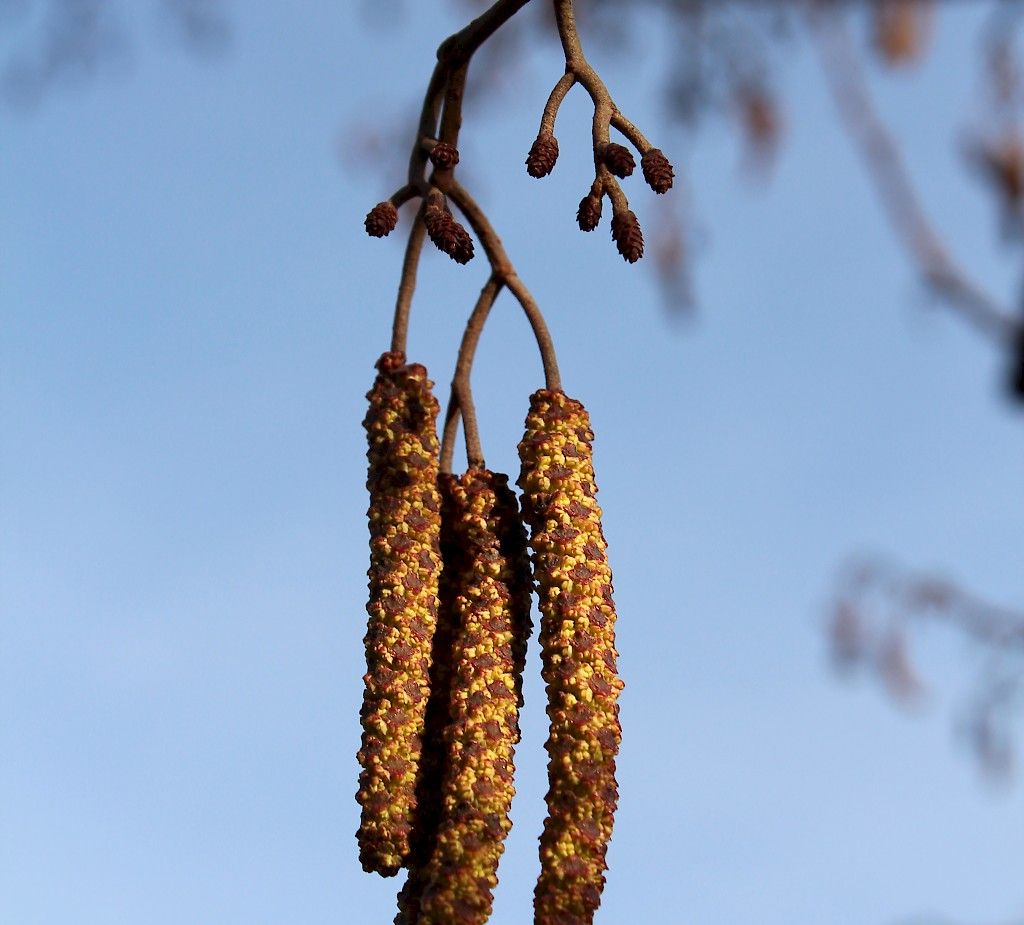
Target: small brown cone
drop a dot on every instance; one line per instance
(588, 216)
(618, 159)
(404, 571)
(657, 170)
(628, 237)
(381, 219)
(447, 234)
(444, 155)
(578, 657)
(543, 154)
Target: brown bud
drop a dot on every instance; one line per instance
(657, 170)
(618, 160)
(462, 252)
(381, 219)
(543, 154)
(444, 155)
(627, 235)
(447, 234)
(589, 213)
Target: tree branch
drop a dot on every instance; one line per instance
(461, 399)
(501, 268)
(407, 283)
(936, 267)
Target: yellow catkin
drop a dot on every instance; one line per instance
(578, 655)
(433, 757)
(405, 523)
(491, 605)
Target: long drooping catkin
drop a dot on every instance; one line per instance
(492, 611)
(433, 758)
(405, 564)
(578, 654)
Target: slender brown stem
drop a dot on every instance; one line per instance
(442, 102)
(460, 402)
(428, 124)
(577, 64)
(402, 196)
(635, 136)
(451, 429)
(558, 92)
(407, 283)
(502, 269)
(611, 186)
(453, 55)
(451, 118)
(896, 191)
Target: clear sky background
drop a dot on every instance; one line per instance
(191, 313)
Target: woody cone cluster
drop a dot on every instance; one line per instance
(578, 655)
(405, 565)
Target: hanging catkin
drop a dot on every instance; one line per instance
(491, 604)
(578, 654)
(405, 564)
(433, 758)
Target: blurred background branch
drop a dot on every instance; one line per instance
(881, 607)
(46, 44)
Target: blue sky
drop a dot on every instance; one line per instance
(191, 314)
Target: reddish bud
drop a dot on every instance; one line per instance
(618, 160)
(543, 154)
(627, 235)
(589, 213)
(447, 234)
(444, 155)
(657, 171)
(381, 219)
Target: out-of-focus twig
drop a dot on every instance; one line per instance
(879, 605)
(846, 79)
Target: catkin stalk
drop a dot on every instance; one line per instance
(578, 655)
(405, 563)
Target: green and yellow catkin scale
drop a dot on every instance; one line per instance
(578, 655)
(405, 564)
(490, 577)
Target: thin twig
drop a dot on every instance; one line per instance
(453, 54)
(635, 136)
(443, 103)
(847, 82)
(558, 92)
(461, 399)
(501, 268)
(407, 283)
(576, 63)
